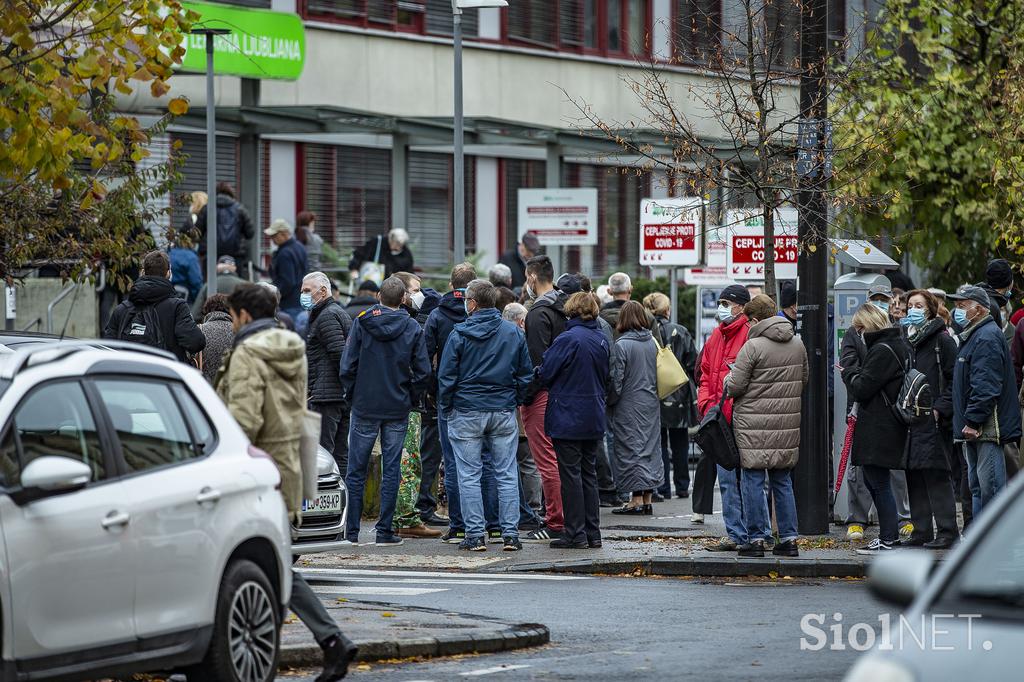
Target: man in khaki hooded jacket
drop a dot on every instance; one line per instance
(263, 383)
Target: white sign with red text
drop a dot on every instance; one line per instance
(671, 231)
(559, 217)
(745, 244)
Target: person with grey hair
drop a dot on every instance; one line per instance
(392, 252)
(484, 372)
(515, 313)
(329, 327)
(621, 288)
(500, 275)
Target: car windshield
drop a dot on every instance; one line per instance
(991, 580)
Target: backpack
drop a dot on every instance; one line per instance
(229, 234)
(141, 325)
(914, 401)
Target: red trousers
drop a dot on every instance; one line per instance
(547, 464)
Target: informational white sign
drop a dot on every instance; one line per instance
(714, 272)
(670, 231)
(559, 217)
(10, 303)
(745, 248)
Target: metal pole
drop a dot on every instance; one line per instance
(810, 477)
(673, 283)
(211, 174)
(460, 184)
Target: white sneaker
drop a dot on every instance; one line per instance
(874, 547)
(697, 518)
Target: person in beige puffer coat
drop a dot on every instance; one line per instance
(767, 382)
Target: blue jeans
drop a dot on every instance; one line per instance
(986, 472)
(757, 517)
(451, 483)
(879, 484)
(475, 438)
(732, 504)
(363, 434)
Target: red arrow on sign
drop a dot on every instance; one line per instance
(735, 270)
(746, 271)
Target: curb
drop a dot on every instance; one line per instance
(485, 642)
(713, 567)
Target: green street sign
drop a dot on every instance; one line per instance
(262, 44)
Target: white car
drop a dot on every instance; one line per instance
(140, 530)
(323, 519)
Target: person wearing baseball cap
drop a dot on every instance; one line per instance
(880, 295)
(288, 265)
(719, 353)
(986, 413)
(516, 258)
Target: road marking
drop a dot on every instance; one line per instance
(314, 572)
(491, 671)
(417, 581)
(383, 591)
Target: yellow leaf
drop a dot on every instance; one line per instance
(812, 248)
(178, 106)
(342, 600)
(867, 249)
(387, 614)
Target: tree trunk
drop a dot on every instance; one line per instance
(770, 286)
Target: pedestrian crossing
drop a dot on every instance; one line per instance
(342, 582)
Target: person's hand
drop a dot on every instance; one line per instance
(971, 434)
(354, 274)
(935, 413)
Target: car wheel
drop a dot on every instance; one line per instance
(247, 632)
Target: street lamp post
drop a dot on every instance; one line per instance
(211, 161)
(459, 208)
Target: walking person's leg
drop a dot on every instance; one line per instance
(430, 463)
(544, 455)
(878, 482)
(466, 432)
(339, 650)
(363, 434)
(392, 437)
(451, 478)
(569, 473)
(679, 444)
(501, 443)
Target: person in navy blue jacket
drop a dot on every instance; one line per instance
(288, 266)
(575, 373)
(384, 372)
(484, 372)
(986, 413)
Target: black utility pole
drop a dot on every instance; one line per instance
(810, 477)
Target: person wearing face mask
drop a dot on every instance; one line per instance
(930, 451)
(329, 328)
(880, 296)
(719, 352)
(986, 412)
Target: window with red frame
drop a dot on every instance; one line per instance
(697, 29)
(607, 27)
(419, 16)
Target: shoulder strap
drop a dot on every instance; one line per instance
(938, 363)
(895, 355)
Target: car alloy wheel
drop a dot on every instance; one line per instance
(251, 633)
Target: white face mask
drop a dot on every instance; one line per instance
(417, 300)
(724, 313)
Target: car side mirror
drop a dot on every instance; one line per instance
(48, 476)
(898, 578)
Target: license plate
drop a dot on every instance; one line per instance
(325, 503)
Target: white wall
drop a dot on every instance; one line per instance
(282, 181)
(487, 210)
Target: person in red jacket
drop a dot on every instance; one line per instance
(719, 353)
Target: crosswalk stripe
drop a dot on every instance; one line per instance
(385, 591)
(491, 671)
(416, 581)
(316, 572)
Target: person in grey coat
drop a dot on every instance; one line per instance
(636, 413)
(219, 333)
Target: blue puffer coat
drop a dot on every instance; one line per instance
(984, 388)
(575, 372)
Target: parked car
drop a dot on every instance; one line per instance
(140, 530)
(964, 617)
(323, 519)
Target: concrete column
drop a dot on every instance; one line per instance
(487, 210)
(249, 169)
(399, 181)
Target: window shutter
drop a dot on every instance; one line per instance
(439, 19)
(346, 9)
(519, 174)
(570, 23)
(430, 208)
(193, 171)
(364, 196)
(382, 11)
(533, 21)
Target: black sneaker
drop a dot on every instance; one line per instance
(787, 548)
(540, 535)
(562, 543)
(511, 544)
(494, 537)
(473, 545)
(339, 652)
(876, 546)
(435, 519)
(453, 537)
(389, 540)
(754, 548)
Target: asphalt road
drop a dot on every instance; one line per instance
(641, 628)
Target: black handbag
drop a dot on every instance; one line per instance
(716, 439)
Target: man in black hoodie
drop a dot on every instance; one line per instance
(234, 226)
(154, 315)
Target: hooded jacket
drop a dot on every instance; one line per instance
(610, 314)
(718, 353)
(185, 271)
(359, 304)
(329, 327)
(450, 311)
(544, 322)
(984, 396)
(485, 366)
(263, 383)
(575, 372)
(879, 439)
(384, 369)
(287, 268)
(766, 383)
(180, 333)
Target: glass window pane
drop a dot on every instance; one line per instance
(637, 27)
(202, 430)
(615, 25)
(55, 421)
(590, 24)
(148, 422)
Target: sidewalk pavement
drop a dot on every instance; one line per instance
(667, 543)
(390, 631)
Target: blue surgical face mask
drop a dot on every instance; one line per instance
(306, 300)
(881, 305)
(915, 317)
(960, 317)
(724, 313)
